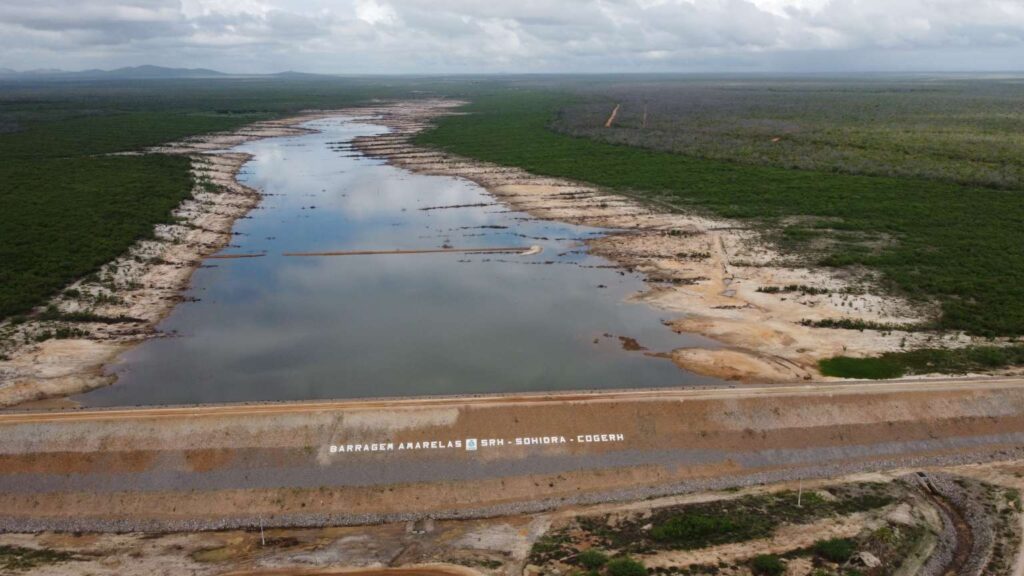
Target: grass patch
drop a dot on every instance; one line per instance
(592, 559)
(955, 244)
(52, 313)
(861, 325)
(798, 288)
(836, 550)
(924, 361)
(17, 558)
(701, 530)
(767, 565)
(625, 566)
(550, 547)
(695, 526)
(218, 554)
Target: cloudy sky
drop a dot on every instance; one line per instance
(445, 36)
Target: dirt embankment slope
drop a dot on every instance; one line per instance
(144, 284)
(323, 463)
(721, 278)
(505, 545)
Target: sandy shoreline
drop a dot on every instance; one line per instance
(145, 283)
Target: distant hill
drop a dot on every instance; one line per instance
(294, 74)
(128, 73)
(145, 72)
(161, 72)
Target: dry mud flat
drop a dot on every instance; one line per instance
(212, 467)
(142, 286)
(709, 271)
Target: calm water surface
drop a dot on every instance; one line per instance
(287, 328)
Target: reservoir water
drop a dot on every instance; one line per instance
(299, 328)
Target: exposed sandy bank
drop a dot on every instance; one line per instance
(145, 283)
(708, 271)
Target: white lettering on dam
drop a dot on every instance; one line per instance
(474, 444)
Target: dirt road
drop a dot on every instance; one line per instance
(611, 118)
(318, 463)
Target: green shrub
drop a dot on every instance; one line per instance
(861, 368)
(625, 566)
(592, 559)
(547, 544)
(885, 535)
(1013, 497)
(767, 565)
(836, 550)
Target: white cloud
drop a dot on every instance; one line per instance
(509, 35)
(373, 12)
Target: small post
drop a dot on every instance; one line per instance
(263, 539)
(800, 493)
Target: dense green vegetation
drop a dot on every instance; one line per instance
(931, 239)
(949, 128)
(64, 217)
(924, 361)
(222, 103)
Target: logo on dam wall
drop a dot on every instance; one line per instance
(475, 444)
